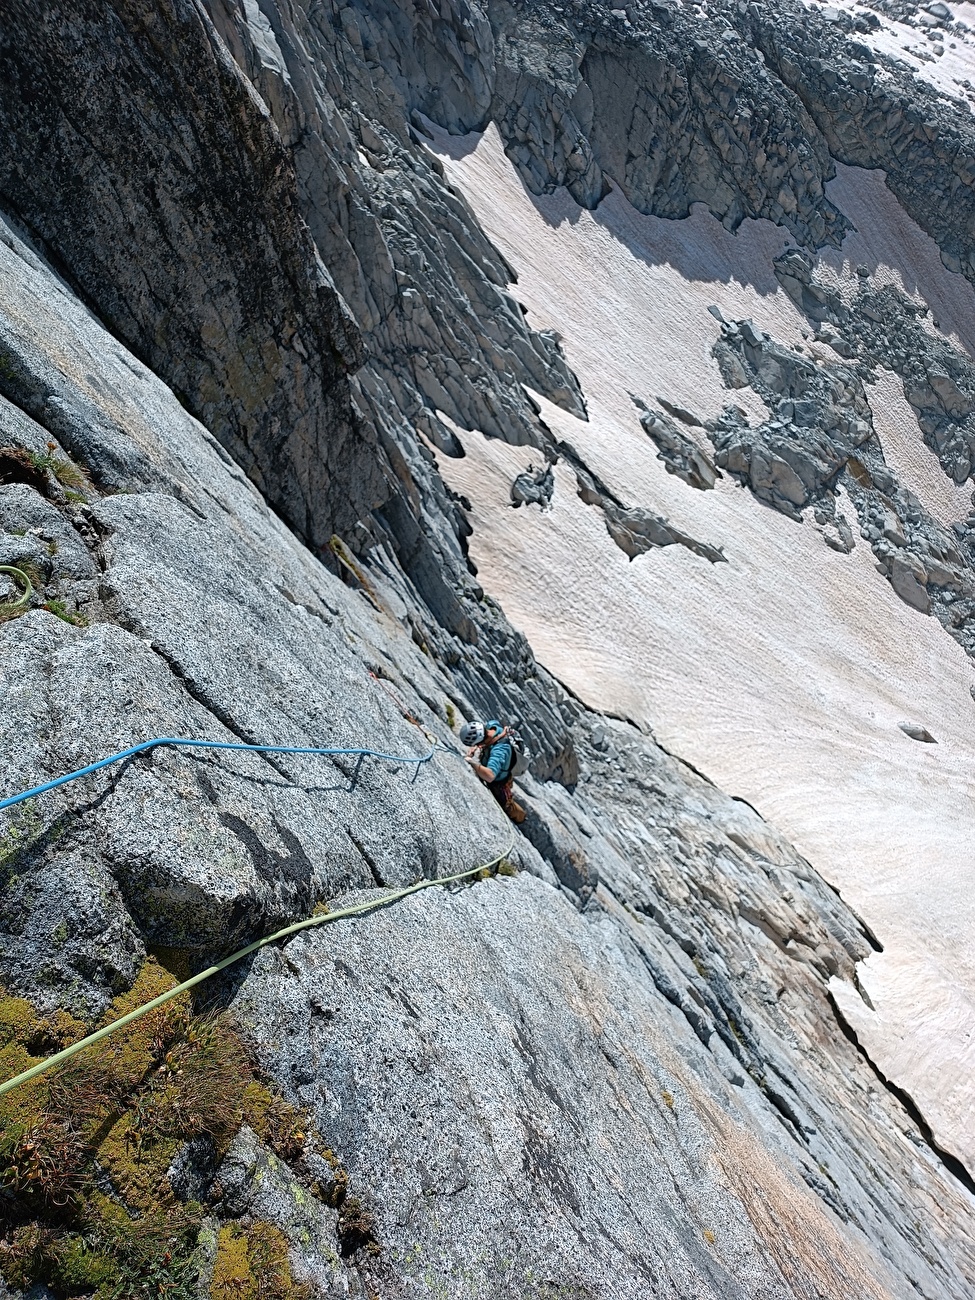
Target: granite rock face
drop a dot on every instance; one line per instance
(564, 1081)
(620, 1072)
(205, 267)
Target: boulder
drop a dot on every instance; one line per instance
(907, 577)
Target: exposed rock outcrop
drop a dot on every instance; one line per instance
(533, 487)
(931, 567)
(679, 453)
(821, 417)
(634, 529)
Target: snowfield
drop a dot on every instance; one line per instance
(782, 674)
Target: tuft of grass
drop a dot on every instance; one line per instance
(68, 475)
(451, 714)
(20, 466)
(60, 610)
(43, 1166)
(85, 1200)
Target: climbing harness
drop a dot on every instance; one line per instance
(216, 744)
(28, 587)
(356, 910)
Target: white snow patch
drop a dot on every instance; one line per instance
(905, 452)
(945, 64)
(896, 251)
(784, 673)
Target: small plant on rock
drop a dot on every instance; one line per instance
(60, 610)
(252, 1264)
(68, 475)
(86, 1205)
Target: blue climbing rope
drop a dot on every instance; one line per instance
(417, 761)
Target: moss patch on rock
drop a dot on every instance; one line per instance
(85, 1198)
(252, 1264)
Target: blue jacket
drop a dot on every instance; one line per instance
(500, 758)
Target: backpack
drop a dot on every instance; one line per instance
(522, 754)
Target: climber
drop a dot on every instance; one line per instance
(492, 756)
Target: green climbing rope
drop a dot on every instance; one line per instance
(356, 910)
(28, 587)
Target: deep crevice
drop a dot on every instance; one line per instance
(951, 1163)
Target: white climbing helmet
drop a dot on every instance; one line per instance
(472, 733)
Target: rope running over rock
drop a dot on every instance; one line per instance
(212, 744)
(356, 909)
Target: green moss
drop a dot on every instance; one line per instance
(278, 1124)
(25, 1038)
(232, 1276)
(24, 829)
(123, 1108)
(252, 1264)
(17, 1020)
(136, 1161)
(78, 1266)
